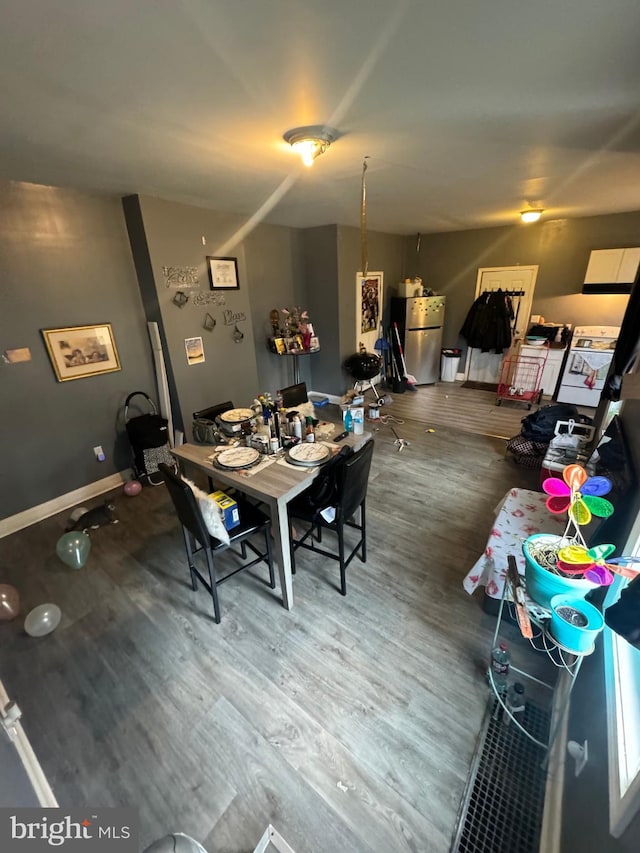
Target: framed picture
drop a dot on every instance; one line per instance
(369, 292)
(195, 350)
(79, 351)
(223, 273)
(293, 344)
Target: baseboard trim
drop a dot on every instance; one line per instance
(38, 513)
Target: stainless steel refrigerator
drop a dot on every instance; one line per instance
(420, 320)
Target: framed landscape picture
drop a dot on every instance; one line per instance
(80, 351)
(223, 273)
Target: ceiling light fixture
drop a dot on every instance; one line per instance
(310, 142)
(531, 215)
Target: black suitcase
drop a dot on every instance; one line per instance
(149, 439)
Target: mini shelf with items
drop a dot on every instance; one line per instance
(536, 624)
(292, 332)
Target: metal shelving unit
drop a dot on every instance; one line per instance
(543, 642)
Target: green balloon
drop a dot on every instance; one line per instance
(73, 549)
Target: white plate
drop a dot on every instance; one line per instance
(238, 457)
(236, 416)
(308, 454)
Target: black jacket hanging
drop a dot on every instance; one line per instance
(488, 323)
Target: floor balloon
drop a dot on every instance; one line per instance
(73, 548)
(42, 620)
(9, 602)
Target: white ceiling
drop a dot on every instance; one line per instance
(468, 111)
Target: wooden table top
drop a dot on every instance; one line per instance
(275, 482)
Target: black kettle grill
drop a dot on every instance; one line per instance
(364, 367)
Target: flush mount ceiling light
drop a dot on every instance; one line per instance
(531, 215)
(310, 142)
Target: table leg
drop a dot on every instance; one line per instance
(280, 527)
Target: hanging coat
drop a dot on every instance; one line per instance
(488, 323)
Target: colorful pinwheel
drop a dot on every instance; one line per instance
(593, 563)
(578, 494)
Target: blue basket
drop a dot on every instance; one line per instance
(575, 638)
(543, 585)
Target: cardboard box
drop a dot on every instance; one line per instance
(229, 507)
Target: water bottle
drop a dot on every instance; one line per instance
(348, 421)
(515, 698)
(500, 660)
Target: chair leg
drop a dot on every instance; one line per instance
(363, 532)
(214, 585)
(343, 570)
(243, 549)
(189, 550)
(272, 575)
(292, 549)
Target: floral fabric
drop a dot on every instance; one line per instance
(521, 513)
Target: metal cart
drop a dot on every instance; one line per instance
(521, 377)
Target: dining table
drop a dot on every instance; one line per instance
(272, 483)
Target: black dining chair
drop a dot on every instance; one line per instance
(197, 538)
(351, 482)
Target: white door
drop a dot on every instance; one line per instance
(485, 366)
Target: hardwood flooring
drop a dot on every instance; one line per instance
(348, 723)
(468, 409)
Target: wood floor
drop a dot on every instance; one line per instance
(348, 723)
(468, 409)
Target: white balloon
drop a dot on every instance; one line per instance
(42, 620)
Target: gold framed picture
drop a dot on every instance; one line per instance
(80, 351)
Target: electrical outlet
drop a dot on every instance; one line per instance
(99, 452)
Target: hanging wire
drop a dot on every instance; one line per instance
(363, 221)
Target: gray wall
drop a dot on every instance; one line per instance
(332, 260)
(270, 271)
(64, 261)
(276, 269)
(321, 275)
(448, 263)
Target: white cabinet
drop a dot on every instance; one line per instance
(552, 367)
(611, 267)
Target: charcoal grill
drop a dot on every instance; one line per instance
(364, 367)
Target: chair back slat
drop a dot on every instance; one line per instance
(353, 479)
(185, 504)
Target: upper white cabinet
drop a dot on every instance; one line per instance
(611, 270)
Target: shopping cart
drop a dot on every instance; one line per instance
(521, 377)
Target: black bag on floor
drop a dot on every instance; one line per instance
(149, 438)
(539, 426)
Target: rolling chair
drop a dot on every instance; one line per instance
(197, 537)
(352, 479)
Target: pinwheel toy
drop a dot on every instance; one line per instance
(593, 563)
(578, 494)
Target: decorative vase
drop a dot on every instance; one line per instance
(542, 584)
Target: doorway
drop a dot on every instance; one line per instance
(519, 283)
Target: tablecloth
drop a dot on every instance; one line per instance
(520, 514)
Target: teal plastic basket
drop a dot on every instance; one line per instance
(575, 638)
(543, 585)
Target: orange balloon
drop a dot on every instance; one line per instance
(574, 476)
(9, 602)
